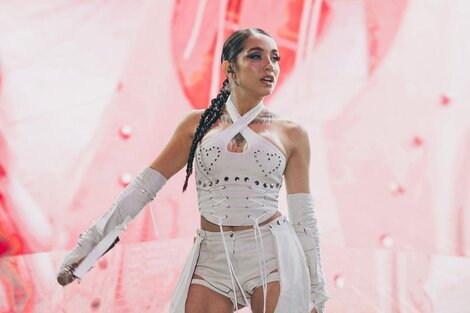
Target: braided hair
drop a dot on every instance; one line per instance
(234, 44)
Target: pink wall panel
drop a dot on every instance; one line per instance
(90, 92)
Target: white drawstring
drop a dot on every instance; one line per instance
(263, 268)
(264, 275)
(230, 266)
(259, 200)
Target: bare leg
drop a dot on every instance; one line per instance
(204, 300)
(273, 292)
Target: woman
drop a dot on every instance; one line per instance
(246, 252)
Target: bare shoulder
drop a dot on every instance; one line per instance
(294, 135)
(175, 154)
(193, 116)
(297, 133)
(286, 124)
(190, 121)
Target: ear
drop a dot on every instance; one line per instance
(227, 68)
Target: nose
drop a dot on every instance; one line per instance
(269, 65)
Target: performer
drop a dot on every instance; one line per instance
(246, 253)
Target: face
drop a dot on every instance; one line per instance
(259, 58)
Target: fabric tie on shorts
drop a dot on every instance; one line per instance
(263, 270)
(264, 274)
(229, 263)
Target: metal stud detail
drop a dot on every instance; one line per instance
(207, 157)
(267, 163)
(266, 177)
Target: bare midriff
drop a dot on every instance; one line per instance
(206, 225)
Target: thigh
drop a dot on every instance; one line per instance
(202, 299)
(272, 296)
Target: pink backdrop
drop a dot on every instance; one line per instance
(91, 91)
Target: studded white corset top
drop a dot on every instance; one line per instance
(238, 188)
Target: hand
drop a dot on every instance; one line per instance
(66, 276)
(314, 310)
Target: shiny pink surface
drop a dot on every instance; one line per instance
(90, 92)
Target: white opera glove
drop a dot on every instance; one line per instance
(302, 216)
(127, 206)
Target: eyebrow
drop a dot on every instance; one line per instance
(261, 49)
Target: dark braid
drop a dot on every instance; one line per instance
(210, 115)
(232, 47)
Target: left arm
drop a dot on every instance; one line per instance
(301, 212)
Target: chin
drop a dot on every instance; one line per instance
(262, 92)
(266, 92)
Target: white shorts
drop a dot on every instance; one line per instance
(282, 250)
(213, 268)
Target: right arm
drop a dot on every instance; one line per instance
(130, 202)
(174, 155)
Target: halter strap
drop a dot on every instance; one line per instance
(239, 122)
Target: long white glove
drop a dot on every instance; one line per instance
(127, 206)
(302, 216)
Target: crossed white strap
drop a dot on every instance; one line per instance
(240, 122)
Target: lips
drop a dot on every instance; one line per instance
(268, 79)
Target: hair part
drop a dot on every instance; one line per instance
(232, 47)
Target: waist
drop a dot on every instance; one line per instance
(237, 204)
(211, 227)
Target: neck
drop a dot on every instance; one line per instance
(243, 102)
